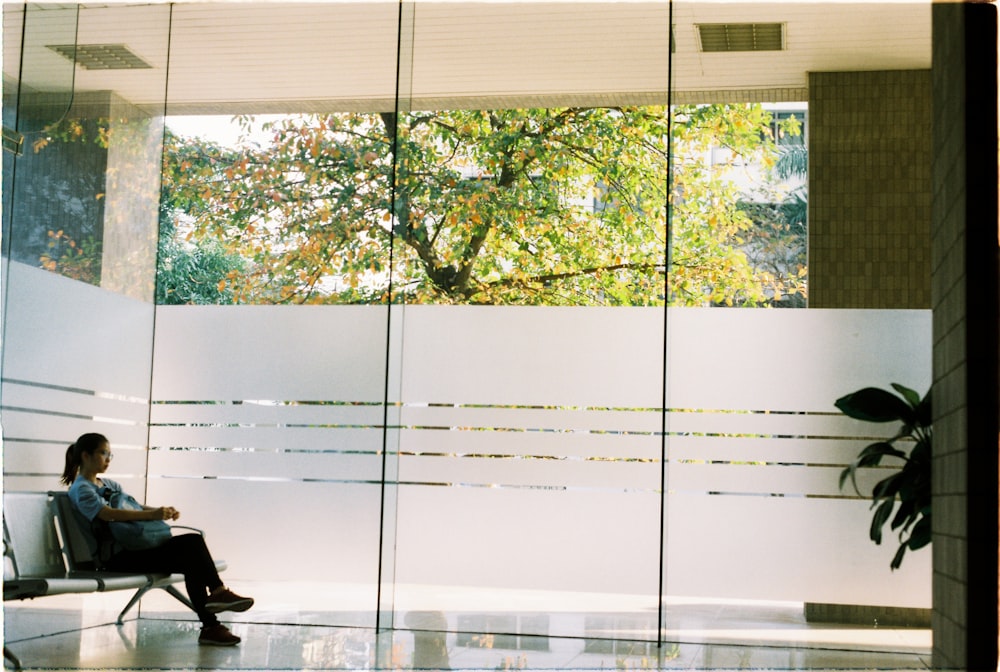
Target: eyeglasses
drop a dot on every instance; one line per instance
(105, 453)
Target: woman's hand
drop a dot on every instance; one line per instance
(166, 513)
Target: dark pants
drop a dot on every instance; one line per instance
(184, 554)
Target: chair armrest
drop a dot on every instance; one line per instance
(187, 527)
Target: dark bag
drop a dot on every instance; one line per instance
(136, 535)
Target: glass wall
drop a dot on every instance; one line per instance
(473, 308)
(80, 232)
(81, 200)
(290, 427)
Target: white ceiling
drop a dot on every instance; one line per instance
(228, 57)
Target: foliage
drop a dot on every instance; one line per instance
(562, 206)
(80, 261)
(196, 274)
(191, 271)
(911, 485)
(776, 247)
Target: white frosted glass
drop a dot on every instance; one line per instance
(68, 333)
(532, 418)
(606, 357)
(762, 548)
(36, 459)
(275, 438)
(556, 474)
(743, 449)
(283, 353)
(48, 399)
(528, 539)
(786, 424)
(279, 530)
(62, 429)
(267, 465)
(23, 483)
(789, 480)
(803, 360)
(545, 424)
(264, 413)
(555, 444)
(76, 360)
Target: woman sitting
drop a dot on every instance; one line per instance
(185, 554)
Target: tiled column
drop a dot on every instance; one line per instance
(869, 189)
(965, 336)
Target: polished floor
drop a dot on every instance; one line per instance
(78, 633)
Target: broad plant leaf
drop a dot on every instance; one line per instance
(911, 397)
(881, 515)
(875, 405)
(911, 485)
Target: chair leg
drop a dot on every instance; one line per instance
(170, 588)
(179, 595)
(9, 655)
(131, 603)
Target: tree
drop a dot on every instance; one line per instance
(559, 206)
(198, 271)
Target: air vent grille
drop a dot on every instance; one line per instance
(101, 56)
(741, 36)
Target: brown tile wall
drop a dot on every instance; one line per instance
(965, 298)
(869, 189)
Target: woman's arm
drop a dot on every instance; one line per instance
(148, 513)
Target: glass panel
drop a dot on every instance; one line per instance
(83, 207)
(532, 187)
(277, 187)
(86, 204)
(80, 210)
(46, 81)
(800, 180)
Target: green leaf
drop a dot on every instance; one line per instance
(848, 472)
(875, 405)
(897, 559)
(872, 455)
(912, 397)
(924, 415)
(906, 511)
(882, 514)
(921, 535)
(888, 487)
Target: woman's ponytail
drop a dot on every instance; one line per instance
(72, 465)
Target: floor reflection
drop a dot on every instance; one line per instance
(282, 633)
(171, 644)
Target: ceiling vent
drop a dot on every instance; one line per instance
(101, 56)
(741, 36)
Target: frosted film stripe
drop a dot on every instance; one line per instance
(74, 335)
(314, 531)
(270, 352)
(538, 465)
(270, 465)
(775, 548)
(528, 539)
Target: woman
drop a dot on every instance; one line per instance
(184, 554)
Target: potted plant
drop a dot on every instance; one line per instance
(910, 487)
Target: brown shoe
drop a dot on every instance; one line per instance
(217, 635)
(226, 600)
